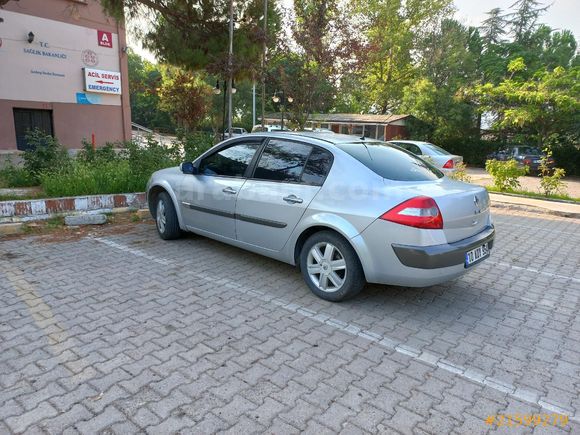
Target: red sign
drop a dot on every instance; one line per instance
(105, 39)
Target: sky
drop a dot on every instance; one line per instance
(563, 14)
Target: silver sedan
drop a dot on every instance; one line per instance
(344, 210)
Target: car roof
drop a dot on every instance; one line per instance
(333, 138)
(414, 142)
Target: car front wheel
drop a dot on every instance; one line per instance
(331, 267)
(166, 218)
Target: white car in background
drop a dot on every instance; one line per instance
(435, 155)
(268, 128)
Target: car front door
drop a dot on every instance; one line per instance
(287, 176)
(208, 199)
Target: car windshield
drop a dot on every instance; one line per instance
(529, 150)
(434, 149)
(391, 162)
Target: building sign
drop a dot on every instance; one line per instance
(102, 82)
(49, 68)
(105, 39)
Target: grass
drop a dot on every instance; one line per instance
(531, 194)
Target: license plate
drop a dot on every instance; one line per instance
(536, 161)
(476, 255)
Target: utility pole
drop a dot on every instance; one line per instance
(264, 62)
(230, 68)
(254, 103)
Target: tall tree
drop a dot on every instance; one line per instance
(524, 19)
(493, 27)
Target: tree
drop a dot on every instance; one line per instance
(493, 27)
(186, 96)
(194, 34)
(524, 19)
(393, 31)
(537, 108)
(144, 80)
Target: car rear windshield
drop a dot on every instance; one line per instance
(437, 150)
(390, 162)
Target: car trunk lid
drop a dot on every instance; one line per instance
(464, 207)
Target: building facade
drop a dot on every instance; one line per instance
(63, 69)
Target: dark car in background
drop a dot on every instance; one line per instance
(524, 155)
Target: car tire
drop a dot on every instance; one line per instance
(334, 275)
(166, 218)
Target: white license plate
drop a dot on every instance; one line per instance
(476, 255)
(536, 161)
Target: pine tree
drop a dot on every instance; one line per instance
(524, 18)
(493, 27)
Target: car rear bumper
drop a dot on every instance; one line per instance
(438, 256)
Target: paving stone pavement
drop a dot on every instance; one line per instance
(121, 332)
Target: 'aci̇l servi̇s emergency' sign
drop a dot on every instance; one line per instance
(102, 82)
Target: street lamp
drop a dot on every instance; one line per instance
(283, 99)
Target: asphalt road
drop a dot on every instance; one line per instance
(117, 331)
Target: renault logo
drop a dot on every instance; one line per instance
(477, 204)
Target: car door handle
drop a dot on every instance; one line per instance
(292, 199)
(230, 190)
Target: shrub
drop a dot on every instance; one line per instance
(87, 178)
(551, 182)
(13, 176)
(567, 156)
(194, 144)
(46, 154)
(105, 153)
(460, 173)
(505, 174)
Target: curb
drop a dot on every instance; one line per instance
(535, 205)
(26, 210)
(8, 229)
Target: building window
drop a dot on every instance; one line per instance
(26, 120)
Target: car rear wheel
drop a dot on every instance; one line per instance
(166, 218)
(331, 267)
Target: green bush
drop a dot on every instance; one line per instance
(551, 182)
(505, 174)
(460, 173)
(87, 178)
(45, 154)
(13, 176)
(568, 157)
(194, 144)
(105, 153)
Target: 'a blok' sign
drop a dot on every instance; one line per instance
(105, 39)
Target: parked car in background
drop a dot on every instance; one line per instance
(345, 210)
(238, 131)
(266, 128)
(437, 156)
(524, 155)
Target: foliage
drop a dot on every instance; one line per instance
(505, 174)
(460, 173)
(14, 176)
(45, 154)
(541, 106)
(194, 35)
(144, 81)
(532, 194)
(193, 145)
(186, 96)
(551, 178)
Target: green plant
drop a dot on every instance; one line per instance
(14, 176)
(45, 154)
(460, 173)
(505, 174)
(105, 153)
(551, 178)
(193, 144)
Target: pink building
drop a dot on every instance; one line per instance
(63, 69)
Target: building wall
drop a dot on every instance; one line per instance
(48, 73)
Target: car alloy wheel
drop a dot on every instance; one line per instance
(326, 267)
(161, 217)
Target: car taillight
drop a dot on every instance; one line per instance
(448, 164)
(418, 212)
(527, 162)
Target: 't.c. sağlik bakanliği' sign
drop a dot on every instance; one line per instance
(102, 82)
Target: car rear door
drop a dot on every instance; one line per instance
(208, 199)
(287, 176)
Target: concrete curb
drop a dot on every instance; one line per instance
(569, 210)
(7, 229)
(26, 210)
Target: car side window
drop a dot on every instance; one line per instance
(317, 167)
(282, 160)
(415, 149)
(229, 162)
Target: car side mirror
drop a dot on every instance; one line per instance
(188, 168)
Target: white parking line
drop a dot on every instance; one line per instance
(530, 269)
(527, 395)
